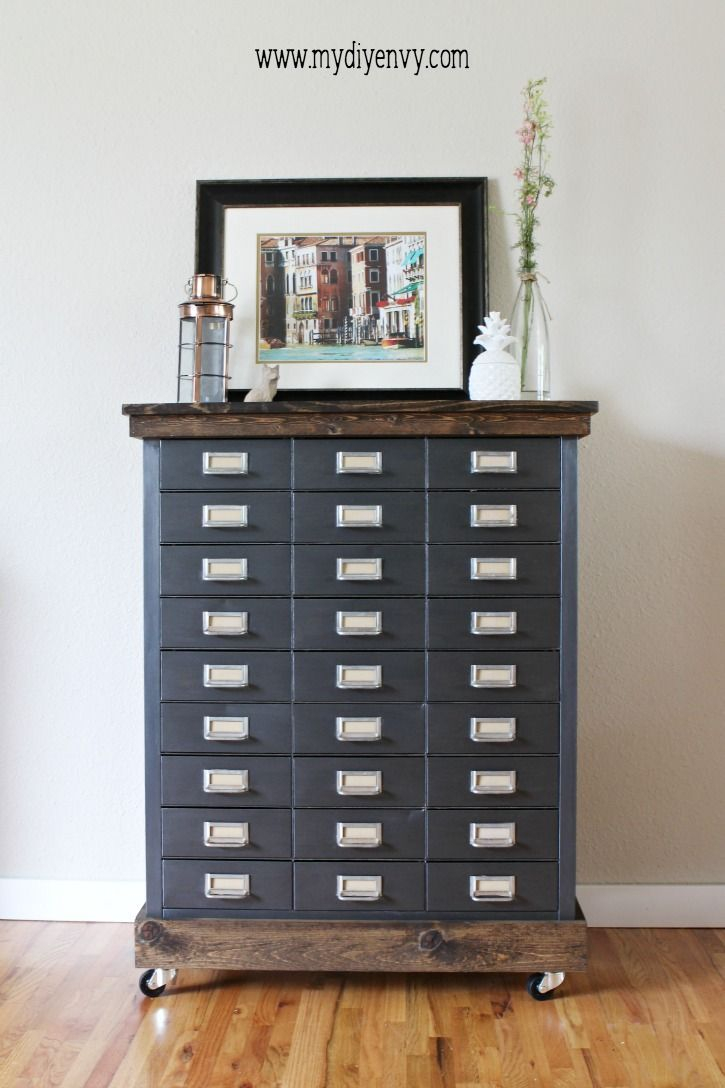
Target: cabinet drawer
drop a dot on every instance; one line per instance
(359, 570)
(358, 782)
(231, 570)
(345, 517)
(340, 834)
(225, 781)
(491, 677)
(250, 885)
(345, 623)
(226, 833)
(366, 886)
(358, 464)
(375, 676)
(494, 516)
(489, 834)
(225, 517)
(225, 464)
(226, 623)
(500, 570)
(493, 729)
(488, 622)
(505, 463)
(347, 729)
(493, 781)
(215, 676)
(226, 728)
(534, 888)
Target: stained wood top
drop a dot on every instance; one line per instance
(363, 417)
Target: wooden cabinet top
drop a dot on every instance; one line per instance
(363, 417)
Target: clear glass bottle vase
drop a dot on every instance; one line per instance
(531, 329)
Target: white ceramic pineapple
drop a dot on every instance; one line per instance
(495, 374)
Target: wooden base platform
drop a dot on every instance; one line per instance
(259, 945)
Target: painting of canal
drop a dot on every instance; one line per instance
(341, 298)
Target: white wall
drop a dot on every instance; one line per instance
(110, 112)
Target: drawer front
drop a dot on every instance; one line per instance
(226, 833)
(534, 889)
(225, 464)
(396, 886)
(201, 885)
(494, 570)
(365, 517)
(493, 835)
(358, 782)
(359, 570)
(260, 516)
(493, 729)
(232, 570)
(358, 464)
(253, 677)
(355, 677)
(347, 729)
(226, 623)
(339, 834)
(494, 517)
(226, 728)
(492, 677)
(489, 622)
(505, 463)
(346, 623)
(493, 781)
(225, 781)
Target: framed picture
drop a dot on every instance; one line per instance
(368, 284)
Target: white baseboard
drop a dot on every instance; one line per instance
(617, 905)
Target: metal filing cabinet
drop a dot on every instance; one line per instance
(361, 676)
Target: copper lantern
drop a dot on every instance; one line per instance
(204, 321)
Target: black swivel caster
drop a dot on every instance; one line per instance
(541, 986)
(152, 983)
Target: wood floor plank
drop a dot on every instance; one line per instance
(649, 1013)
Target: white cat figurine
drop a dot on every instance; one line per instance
(265, 388)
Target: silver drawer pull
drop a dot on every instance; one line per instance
(225, 623)
(359, 623)
(493, 781)
(352, 462)
(225, 834)
(493, 623)
(226, 676)
(225, 463)
(493, 729)
(493, 570)
(490, 836)
(359, 570)
(357, 729)
(226, 780)
(490, 888)
(359, 783)
(227, 886)
(493, 461)
(493, 676)
(225, 517)
(359, 835)
(359, 676)
(493, 517)
(360, 887)
(224, 570)
(222, 728)
(359, 517)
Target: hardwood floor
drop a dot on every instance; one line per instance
(649, 1013)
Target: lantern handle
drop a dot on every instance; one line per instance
(228, 283)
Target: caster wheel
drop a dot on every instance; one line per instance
(532, 987)
(146, 989)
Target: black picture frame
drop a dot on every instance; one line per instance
(214, 198)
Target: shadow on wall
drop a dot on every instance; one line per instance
(652, 674)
